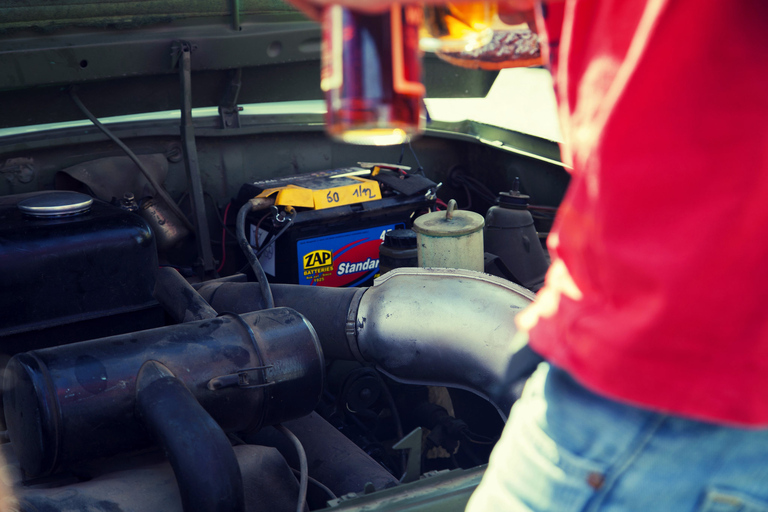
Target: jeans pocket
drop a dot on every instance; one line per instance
(727, 500)
(549, 476)
(528, 472)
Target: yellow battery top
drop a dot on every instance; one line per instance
(326, 191)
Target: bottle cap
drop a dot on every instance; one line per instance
(401, 239)
(514, 198)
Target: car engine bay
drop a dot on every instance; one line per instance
(94, 305)
(149, 367)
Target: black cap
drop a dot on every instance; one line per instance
(514, 199)
(400, 239)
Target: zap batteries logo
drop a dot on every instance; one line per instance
(345, 259)
(317, 266)
(317, 260)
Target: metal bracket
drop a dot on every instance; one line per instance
(177, 49)
(412, 443)
(228, 109)
(246, 379)
(351, 327)
(230, 118)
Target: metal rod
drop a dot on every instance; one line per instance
(178, 298)
(235, 14)
(191, 162)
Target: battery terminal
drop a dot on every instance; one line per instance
(261, 203)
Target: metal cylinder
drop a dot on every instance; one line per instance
(77, 401)
(325, 307)
(450, 239)
(168, 229)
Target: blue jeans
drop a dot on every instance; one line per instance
(567, 449)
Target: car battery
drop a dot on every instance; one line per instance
(326, 227)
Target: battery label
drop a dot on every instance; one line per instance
(267, 259)
(344, 259)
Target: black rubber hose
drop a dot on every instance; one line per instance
(326, 308)
(200, 454)
(250, 255)
(178, 298)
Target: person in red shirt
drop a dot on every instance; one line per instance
(655, 394)
(664, 112)
(651, 317)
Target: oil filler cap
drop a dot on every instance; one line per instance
(56, 204)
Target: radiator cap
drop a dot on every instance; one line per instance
(56, 204)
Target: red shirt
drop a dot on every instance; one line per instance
(658, 293)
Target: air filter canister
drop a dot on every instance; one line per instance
(78, 401)
(450, 239)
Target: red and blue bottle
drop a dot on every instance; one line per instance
(371, 75)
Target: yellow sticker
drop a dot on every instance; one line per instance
(365, 190)
(320, 199)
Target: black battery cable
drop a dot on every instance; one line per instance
(253, 260)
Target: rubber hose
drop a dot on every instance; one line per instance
(206, 469)
(250, 255)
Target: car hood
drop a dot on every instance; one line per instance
(122, 57)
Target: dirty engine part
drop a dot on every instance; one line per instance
(68, 261)
(76, 402)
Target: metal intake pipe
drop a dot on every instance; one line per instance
(441, 327)
(325, 308)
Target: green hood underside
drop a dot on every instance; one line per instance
(122, 57)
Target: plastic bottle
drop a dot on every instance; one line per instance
(450, 239)
(398, 250)
(511, 235)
